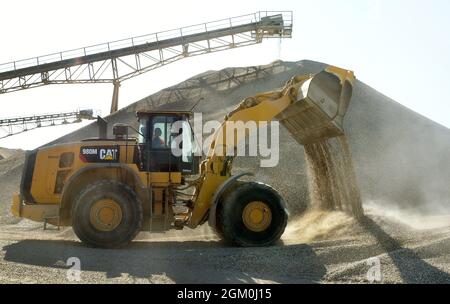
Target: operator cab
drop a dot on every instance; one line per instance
(162, 145)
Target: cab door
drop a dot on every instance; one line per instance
(161, 158)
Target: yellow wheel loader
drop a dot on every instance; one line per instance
(109, 190)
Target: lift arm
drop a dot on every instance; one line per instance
(311, 107)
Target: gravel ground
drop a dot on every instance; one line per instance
(338, 250)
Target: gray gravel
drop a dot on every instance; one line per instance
(30, 255)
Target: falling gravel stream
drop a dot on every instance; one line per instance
(331, 177)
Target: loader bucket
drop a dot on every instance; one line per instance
(320, 106)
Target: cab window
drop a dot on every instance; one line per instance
(143, 124)
(161, 126)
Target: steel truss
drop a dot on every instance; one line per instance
(114, 62)
(17, 125)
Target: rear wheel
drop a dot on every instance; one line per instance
(107, 214)
(252, 214)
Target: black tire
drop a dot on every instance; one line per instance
(130, 207)
(232, 227)
(218, 229)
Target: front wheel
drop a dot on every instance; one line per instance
(252, 214)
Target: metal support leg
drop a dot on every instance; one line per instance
(115, 97)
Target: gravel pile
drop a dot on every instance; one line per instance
(400, 157)
(10, 173)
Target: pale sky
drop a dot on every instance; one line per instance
(399, 47)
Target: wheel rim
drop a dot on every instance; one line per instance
(257, 216)
(105, 215)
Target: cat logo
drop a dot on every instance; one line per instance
(108, 154)
(99, 154)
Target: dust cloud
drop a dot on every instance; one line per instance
(413, 218)
(335, 200)
(318, 225)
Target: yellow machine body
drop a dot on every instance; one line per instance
(50, 176)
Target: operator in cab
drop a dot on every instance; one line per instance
(157, 141)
